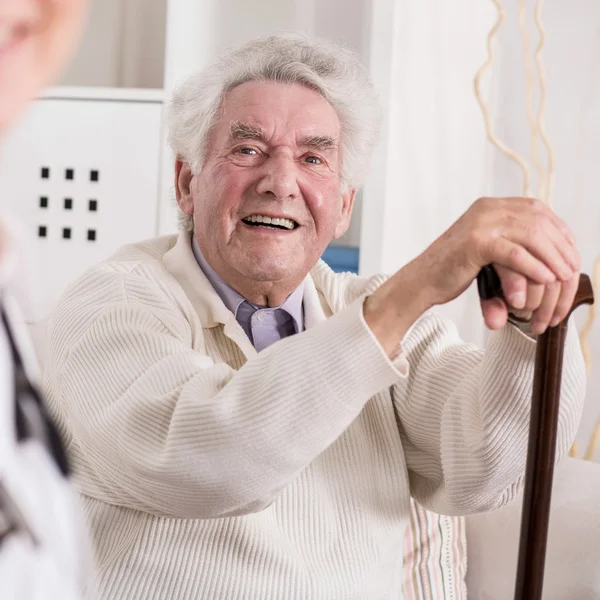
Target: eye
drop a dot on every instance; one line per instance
(248, 151)
(313, 160)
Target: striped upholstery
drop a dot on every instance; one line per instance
(435, 556)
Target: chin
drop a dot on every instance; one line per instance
(270, 270)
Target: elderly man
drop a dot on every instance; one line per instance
(243, 422)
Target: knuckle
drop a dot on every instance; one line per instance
(515, 279)
(478, 239)
(554, 287)
(534, 231)
(483, 206)
(532, 303)
(516, 254)
(535, 205)
(513, 282)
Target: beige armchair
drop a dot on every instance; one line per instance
(573, 554)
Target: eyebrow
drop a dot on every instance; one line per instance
(239, 130)
(242, 131)
(320, 142)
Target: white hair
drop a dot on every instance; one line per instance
(326, 67)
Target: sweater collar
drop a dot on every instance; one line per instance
(181, 263)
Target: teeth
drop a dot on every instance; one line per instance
(287, 223)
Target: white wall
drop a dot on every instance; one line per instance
(98, 58)
(122, 46)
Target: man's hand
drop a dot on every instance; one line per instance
(543, 305)
(532, 250)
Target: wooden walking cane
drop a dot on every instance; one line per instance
(542, 440)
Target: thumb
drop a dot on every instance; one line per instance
(495, 313)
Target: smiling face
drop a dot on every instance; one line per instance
(35, 38)
(269, 198)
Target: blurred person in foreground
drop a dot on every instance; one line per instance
(44, 553)
(244, 423)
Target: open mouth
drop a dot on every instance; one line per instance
(270, 223)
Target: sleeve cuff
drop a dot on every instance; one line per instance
(398, 361)
(521, 325)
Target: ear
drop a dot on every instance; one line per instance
(345, 213)
(183, 187)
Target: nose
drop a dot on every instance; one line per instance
(279, 178)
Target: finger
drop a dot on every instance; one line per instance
(537, 240)
(522, 296)
(565, 300)
(528, 205)
(535, 295)
(564, 229)
(514, 287)
(542, 317)
(532, 224)
(560, 225)
(495, 313)
(568, 251)
(507, 253)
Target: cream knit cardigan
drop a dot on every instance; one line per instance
(210, 471)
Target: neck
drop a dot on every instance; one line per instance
(262, 293)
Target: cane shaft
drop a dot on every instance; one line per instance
(541, 456)
(541, 450)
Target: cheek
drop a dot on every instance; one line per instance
(221, 191)
(324, 200)
(234, 185)
(232, 181)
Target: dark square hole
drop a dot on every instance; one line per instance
(67, 233)
(43, 201)
(93, 205)
(91, 235)
(42, 231)
(45, 173)
(94, 175)
(69, 174)
(68, 203)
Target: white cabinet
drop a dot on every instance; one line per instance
(81, 173)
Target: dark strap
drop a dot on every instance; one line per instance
(32, 417)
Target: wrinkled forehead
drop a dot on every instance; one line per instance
(278, 112)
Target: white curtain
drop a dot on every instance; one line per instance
(571, 58)
(434, 159)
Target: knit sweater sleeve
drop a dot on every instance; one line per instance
(464, 414)
(157, 426)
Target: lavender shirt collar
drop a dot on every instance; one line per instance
(233, 300)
